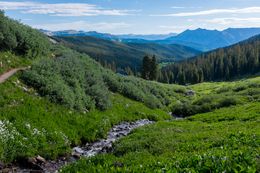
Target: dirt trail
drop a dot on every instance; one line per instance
(10, 73)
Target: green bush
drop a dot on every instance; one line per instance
(75, 80)
(226, 102)
(203, 105)
(22, 39)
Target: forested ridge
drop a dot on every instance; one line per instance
(125, 58)
(221, 64)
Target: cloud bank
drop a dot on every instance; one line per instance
(248, 10)
(62, 9)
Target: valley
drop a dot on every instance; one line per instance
(182, 109)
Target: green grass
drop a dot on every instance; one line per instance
(226, 140)
(8, 61)
(215, 95)
(213, 87)
(31, 125)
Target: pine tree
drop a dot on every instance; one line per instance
(153, 69)
(146, 68)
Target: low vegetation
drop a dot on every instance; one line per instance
(210, 96)
(31, 125)
(8, 61)
(225, 140)
(75, 80)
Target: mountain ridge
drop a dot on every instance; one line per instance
(126, 54)
(200, 39)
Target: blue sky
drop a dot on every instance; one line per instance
(134, 16)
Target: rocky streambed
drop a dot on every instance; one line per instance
(39, 164)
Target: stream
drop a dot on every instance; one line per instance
(89, 150)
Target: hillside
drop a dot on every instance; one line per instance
(205, 40)
(222, 64)
(126, 54)
(66, 102)
(65, 99)
(224, 140)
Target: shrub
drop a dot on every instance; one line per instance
(227, 101)
(73, 79)
(203, 105)
(22, 39)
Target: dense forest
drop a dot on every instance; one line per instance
(221, 64)
(21, 39)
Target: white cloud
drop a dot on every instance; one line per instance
(83, 25)
(223, 23)
(248, 10)
(181, 7)
(177, 7)
(228, 21)
(62, 9)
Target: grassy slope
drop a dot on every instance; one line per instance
(31, 125)
(224, 140)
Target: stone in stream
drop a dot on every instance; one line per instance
(78, 150)
(40, 159)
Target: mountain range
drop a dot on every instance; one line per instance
(107, 36)
(200, 39)
(206, 40)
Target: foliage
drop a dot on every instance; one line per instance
(226, 140)
(149, 68)
(74, 80)
(31, 125)
(8, 61)
(215, 95)
(22, 39)
(70, 81)
(203, 104)
(221, 64)
(124, 56)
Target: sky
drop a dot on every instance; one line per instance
(134, 16)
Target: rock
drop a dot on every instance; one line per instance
(119, 164)
(1, 165)
(6, 170)
(76, 155)
(40, 159)
(78, 150)
(32, 160)
(36, 171)
(190, 93)
(33, 164)
(25, 89)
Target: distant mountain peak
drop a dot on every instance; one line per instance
(206, 40)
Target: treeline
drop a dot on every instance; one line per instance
(21, 39)
(221, 64)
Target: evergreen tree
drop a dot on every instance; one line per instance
(146, 67)
(153, 69)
